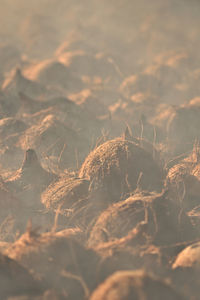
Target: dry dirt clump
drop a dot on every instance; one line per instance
(32, 105)
(6, 107)
(88, 101)
(16, 280)
(9, 56)
(11, 207)
(127, 285)
(58, 259)
(16, 82)
(8, 201)
(118, 220)
(65, 192)
(31, 118)
(84, 65)
(184, 180)
(10, 131)
(186, 270)
(54, 73)
(130, 252)
(137, 115)
(153, 150)
(137, 109)
(156, 214)
(183, 128)
(162, 114)
(30, 180)
(120, 166)
(11, 126)
(52, 137)
(31, 172)
(189, 257)
(156, 79)
(48, 294)
(67, 111)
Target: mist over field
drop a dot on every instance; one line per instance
(99, 149)
(151, 27)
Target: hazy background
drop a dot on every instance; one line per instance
(143, 27)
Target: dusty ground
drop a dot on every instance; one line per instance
(99, 150)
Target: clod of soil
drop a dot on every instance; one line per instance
(128, 285)
(11, 126)
(157, 211)
(128, 253)
(52, 137)
(15, 280)
(65, 192)
(84, 65)
(55, 257)
(32, 172)
(183, 129)
(16, 83)
(184, 180)
(120, 166)
(8, 201)
(189, 257)
(54, 73)
(9, 56)
(30, 180)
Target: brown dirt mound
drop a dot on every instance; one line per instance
(155, 79)
(16, 83)
(10, 132)
(118, 220)
(137, 112)
(56, 103)
(15, 280)
(120, 166)
(72, 201)
(50, 255)
(189, 257)
(54, 138)
(30, 180)
(31, 172)
(68, 112)
(84, 64)
(88, 101)
(49, 294)
(11, 126)
(128, 285)
(183, 128)
(52, 72)
(184, 180)
(11, 207)
(8, 202)
(9, 56)
(157, 211)
(65, 192)
(120, 256)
